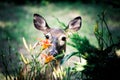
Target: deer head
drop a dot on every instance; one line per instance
(56, 36)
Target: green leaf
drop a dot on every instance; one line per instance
(68, 56)
(61, 23)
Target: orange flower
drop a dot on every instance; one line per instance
(48, 58)
(45, 43)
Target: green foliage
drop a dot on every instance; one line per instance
(10, 61)
(84, 45)
(62, 25)
(101, 28)
(102, 62)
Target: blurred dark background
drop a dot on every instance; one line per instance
(115, 3)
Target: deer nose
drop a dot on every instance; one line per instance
(53, 49)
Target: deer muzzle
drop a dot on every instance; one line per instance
(53, 48)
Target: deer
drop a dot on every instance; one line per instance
(57, 36)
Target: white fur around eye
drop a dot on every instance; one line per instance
(62, 42)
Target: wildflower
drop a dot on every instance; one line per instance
(47, 58)
(45, 43)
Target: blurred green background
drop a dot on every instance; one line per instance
(16, 18)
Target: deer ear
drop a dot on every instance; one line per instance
(75, 24)
(40, 23)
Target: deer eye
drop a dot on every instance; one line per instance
(63, 38)
(48, 36)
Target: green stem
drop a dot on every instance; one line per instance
(110, 35)
(99, 37)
